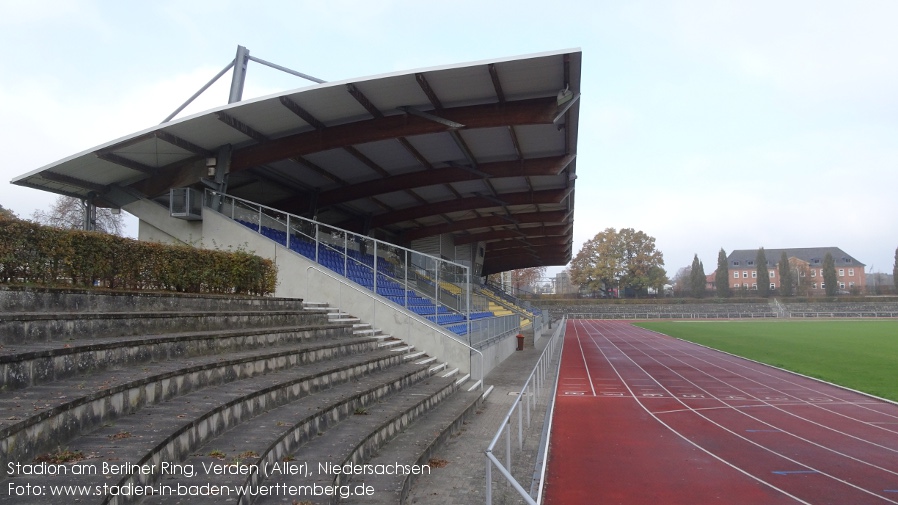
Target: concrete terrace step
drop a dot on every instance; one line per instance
(357, 438)
(175, 431)
(22, 327)
(281, 430)
(56, 300)
(254, 381)
(29, 364)
(41, 417)
(415, 446)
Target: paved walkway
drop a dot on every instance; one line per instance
(462, 480)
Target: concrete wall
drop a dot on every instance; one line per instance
(497, 352)
(157, 225)
(299, 277)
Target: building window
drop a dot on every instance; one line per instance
(813, 273)
(841, 285)
(735, 263)
(772, 274)
(851, 273)
(841, 272)
(745, 274)
(736, 276)
(754, 274)
(814, 286)
(754, 285)
(749, 263)
(772, 285)
(851, 285)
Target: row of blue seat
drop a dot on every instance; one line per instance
(361, 271)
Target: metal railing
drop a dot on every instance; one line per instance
(734, 315)
(672, 315)
(519, 418)
(844, 314)
(371, 297)
(386, 269)
(482, 332)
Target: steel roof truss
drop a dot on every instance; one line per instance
(127, 163)
(432, 117)
(241, 127)
(425, 87)
(494, 75)
(74, 181)
(302, 113)
(364, 101)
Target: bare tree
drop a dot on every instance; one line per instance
(527, 279)
(68, 213)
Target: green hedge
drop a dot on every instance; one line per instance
(35, 254)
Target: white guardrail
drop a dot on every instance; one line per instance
(519, 417)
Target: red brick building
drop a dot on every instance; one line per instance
(806, 262)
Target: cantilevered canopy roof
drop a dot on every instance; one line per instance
(484, 151)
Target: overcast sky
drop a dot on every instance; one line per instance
(705, 124)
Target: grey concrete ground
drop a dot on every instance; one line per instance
(462, 480)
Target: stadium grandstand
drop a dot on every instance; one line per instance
(384, 202)
(414, 185)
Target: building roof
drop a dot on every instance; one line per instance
(485, 151)
(812, 255)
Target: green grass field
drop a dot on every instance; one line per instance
(861, 355)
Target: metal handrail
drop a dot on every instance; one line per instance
(410, 254)
(531, 389)
(374, 301)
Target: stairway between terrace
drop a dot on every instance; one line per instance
(206, 381)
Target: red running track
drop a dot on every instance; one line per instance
(642, 418)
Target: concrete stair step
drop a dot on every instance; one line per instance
(416, 445)
(175, 430)
(18, 328)
(359, 437)
(24, 365)
(49, 415)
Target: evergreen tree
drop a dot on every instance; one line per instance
(763, 273)
(722, 277)
(829, 275)
(697, 278)
(786, 280)
(895, 271)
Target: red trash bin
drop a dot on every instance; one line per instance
(520, 342)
